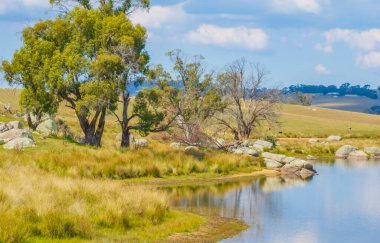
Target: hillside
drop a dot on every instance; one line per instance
(347, 103)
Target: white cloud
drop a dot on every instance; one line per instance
(160, 16)
(361, 40)
(370, 60)
(321, 70)
(247, 38)
(14, 5)
(290, 6)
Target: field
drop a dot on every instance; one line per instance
(62, 190)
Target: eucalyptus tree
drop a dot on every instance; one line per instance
(248, 103)
(80, 66)
(192, 98)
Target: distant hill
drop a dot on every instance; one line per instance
(347, 103)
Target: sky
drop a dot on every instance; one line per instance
(298, 41)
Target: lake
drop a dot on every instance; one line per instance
(341, 204)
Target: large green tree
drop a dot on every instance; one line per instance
(82, 67)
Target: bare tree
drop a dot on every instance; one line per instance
(248, 103)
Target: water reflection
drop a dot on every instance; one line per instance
(342, 204)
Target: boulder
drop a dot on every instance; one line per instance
(305, 173)
(15, 133)
(309, 167)
(288, 169)
(252, 152)
(275, 157)
(241, 150)
(373, 151)
(48, 127)
(247, 143)
(334, 138)
(344, 151)
(298, 163)
(357, 155)
(19, 143)
(175, 145)
(313, 140)
(141, 143)
(262, 144)
(272, 164)
(288, 160)
(14, 125)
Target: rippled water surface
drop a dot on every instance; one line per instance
(341, 204)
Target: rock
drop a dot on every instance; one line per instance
(48, 127)
(272, 164)
(241, 150)
(15, 133)
(309, 167)
(141, 143)
(252, 152)
(14, 125)
(175, 145)
(247, 143)
(288, 160)
(275, 157)
(373, 151)
(298, 163)
(311, 157)
(344, 151)
(262, 144)
(357, 155)
(288, 169)
(19, 143)
(313, 140)
(334, 138)
(305, 173)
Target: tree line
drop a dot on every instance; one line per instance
(91, 57)
(342, 90)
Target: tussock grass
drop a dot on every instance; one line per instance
(158, 160)
(38, 205)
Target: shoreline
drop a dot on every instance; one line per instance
(166, 182)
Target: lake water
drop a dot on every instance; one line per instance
(341, 204)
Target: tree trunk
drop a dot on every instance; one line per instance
(93, 132)
(33, 125)
(125, 137)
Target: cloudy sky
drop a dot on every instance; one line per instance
(299, 41)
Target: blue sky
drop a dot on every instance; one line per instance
(299, 41)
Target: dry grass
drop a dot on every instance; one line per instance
(36, 204)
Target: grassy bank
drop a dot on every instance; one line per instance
(41, 206)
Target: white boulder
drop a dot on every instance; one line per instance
(20, 143)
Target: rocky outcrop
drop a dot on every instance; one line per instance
(20, 143)
(47, 127)
(13, 136)
(357, 155)
(9, 135)
(334, 138)
(374, 152)
(262, 145)
(288, 165)
(344, 151)
(311, 157)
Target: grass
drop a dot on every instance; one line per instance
(38, 205)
